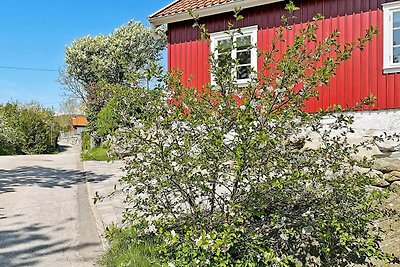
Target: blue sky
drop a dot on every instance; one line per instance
(34, 34)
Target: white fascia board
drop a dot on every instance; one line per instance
(391, 5)
(208, 11)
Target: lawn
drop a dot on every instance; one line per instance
(96, 154)
(124, 251)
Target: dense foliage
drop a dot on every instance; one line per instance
(101, 66)
(65, 123)
(124, 104)
(114, 58)
(27, 129)
(225, 177)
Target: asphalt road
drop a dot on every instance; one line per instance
(45, 215)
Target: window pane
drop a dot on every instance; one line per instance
(224, 59)
(243, 42)
(224, 45)
(243, 72)
(244, 57)
(396, 55)
(396, 37)
(396, 19)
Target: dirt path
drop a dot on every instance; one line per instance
(45, 215)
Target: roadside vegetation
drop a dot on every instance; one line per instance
(65, 122)
(224, 176)
(100, 153)
(97, 67)
(125, 250)
(27, 129)
(101, 71)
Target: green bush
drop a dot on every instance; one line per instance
(123, 104)
(27, 129)
(85, 138)
(65, 122)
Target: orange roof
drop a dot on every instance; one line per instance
(79, 121)
(181, 6)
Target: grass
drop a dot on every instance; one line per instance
(125, 252)
(97, 154)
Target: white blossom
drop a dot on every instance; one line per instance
(230, 137)
(151, 228)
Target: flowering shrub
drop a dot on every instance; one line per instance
(222, 176)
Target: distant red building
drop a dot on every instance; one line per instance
(376, 69)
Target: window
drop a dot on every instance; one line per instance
(244, 51)
(391, 37)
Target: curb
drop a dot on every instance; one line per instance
(100, 227)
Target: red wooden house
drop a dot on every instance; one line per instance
(376, 69)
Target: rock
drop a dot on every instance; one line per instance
(373, 174)
(395, 186)
(392, 176)
(395, 155)
(369, 172)
(368, 154)
(383, 155)
(380, 182)
(388, 146)
(361, 169)
(374, 188)
(386, 165)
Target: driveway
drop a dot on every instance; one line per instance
(45, 215)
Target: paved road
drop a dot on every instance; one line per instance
(45, 215)
(110, 210)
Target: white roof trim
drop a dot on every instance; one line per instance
(207, 11)
(388, 5)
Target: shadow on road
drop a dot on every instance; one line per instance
(31, 244)
(63, 148)
(44, 177)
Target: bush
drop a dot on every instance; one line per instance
(85, 137)
(222, 177)
(125, 103)
(65, 122)
(27, 129)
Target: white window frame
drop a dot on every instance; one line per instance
(388, 10)
(246, 31)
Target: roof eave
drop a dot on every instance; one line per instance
(207, 11)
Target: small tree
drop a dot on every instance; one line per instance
(221, 182)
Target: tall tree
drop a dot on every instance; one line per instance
(123, 58)
(119, 58)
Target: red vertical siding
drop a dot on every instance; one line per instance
(192, 59)
(354, 79)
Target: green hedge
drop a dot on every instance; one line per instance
(27, 129)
